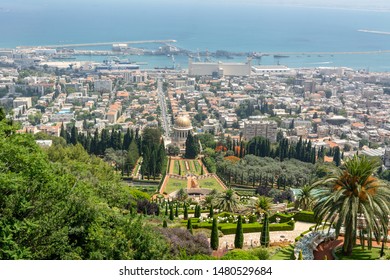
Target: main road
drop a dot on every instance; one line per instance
(164, 111)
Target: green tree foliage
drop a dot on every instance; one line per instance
(189, 226)
(239, 237)
(337, 156)
(214, 240)
(61, 203)
(165, 225)
(211, 213)
(228, 201)
(304, 199)
(192, 149)
(185, 212)
(348, 195)
(264, 237)
(132, 155)
(171, 214)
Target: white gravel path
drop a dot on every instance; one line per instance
(275, 236)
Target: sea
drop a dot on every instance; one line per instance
(200, 25)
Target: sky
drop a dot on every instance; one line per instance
(348, 4)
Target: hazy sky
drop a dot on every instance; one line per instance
(328, 3)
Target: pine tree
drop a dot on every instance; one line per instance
(189, 226)
(214, 240)
(165, 224)
(239, 237)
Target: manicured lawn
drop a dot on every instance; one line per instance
(175, 184)
(176, 167)
(286, 253)
(192, 164)
(183, 168)
(359, 254)
(210, 183)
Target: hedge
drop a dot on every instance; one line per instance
(247, 228)
(305, 216)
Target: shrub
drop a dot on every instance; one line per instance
(261, 254)
(181, 240)
(305, 216)
(239, 254)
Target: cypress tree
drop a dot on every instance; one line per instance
(165, 224)
(264, 238)
(177, 211)
(189, 226)
(73, 135)
(63, 131)
(191, 147)
(185, 212)
(166, 209)
(127, 140)
(171, 213)
(336, 156)
(214, 240)
(157, 213)
(211, 214)
(300, 257)
(239, 237)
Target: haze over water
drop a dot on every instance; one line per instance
(231, 26)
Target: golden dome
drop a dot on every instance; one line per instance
(183, 122)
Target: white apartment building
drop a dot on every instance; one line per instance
(264, 128)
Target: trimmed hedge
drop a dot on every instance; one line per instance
(284, 218)
(305, 216)
(247, 228)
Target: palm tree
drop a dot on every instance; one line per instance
(352, 194)
(304, 198)
(228, 201)
(262, 205)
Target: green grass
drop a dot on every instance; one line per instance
(175, 184)
(286, 253)
(359, 254)
(210, 183)
(176, 167)
(183, 167)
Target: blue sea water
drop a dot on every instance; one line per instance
(201, 25)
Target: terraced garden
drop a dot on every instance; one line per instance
(182, 167)
(210, 183)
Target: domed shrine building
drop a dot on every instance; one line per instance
(181, 128)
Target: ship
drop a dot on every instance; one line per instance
(280, 56)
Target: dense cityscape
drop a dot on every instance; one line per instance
(223, 160)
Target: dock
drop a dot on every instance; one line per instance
(99, 44)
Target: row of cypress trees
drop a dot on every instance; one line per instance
(239, 236)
